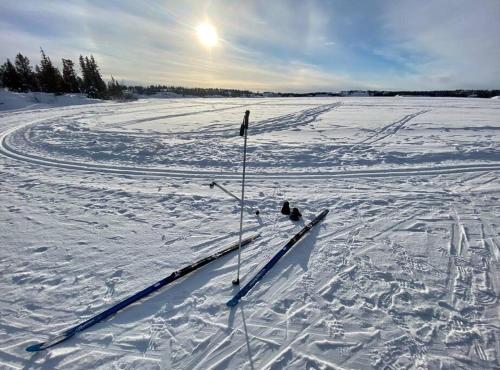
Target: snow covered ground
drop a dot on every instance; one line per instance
(13, 101)
(98, 201)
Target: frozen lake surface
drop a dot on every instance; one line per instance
(98, 201)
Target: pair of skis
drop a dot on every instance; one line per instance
(68, 333)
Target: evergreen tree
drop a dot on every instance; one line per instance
(115, 90)
(98, 81)
(93, 83)
(10, 78)
(86, 80)
(70, 80)
(79, 81)
(27, 77)
(2, 70)
(49, 76)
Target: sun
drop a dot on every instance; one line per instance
(207, 35)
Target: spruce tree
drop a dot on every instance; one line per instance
(115, 90)
(70, 80)
(27, 77)
(93, 83)
(10, 78)
(49, 76)
(79, 81)
(86, 80)
(99, 84)
(2, 71)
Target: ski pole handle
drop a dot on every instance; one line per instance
(244, 124)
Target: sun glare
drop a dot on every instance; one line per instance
(207, 35)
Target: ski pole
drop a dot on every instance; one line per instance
(250, 209)
(243, 132)
(224, 190)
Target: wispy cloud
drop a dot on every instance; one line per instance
(269, 45)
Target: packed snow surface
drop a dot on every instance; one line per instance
(99, 201)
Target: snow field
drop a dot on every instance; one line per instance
(99, 201)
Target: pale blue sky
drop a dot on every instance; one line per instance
(268, 45)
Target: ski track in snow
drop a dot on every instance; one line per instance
(402, 273)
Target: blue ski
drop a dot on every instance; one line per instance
(234, 301)
(68, 333)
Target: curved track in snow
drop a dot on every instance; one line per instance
(13, 153)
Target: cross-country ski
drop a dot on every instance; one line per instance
(234, 301)
(139, 295)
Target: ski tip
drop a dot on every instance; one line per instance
(231, 303)
(255, 236)
(35, 347)
(323, 214)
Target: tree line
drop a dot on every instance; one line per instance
(20, 76)
(190, 91)
(440, 93)
(46, 77)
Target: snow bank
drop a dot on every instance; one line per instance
(496, 97)
(11, 100)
